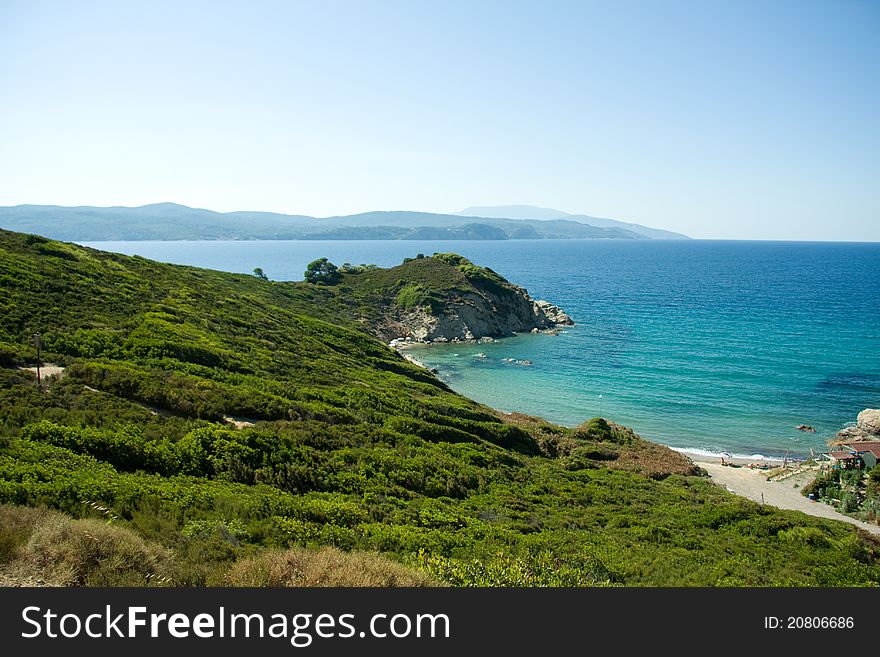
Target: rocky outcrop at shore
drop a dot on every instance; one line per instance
(475, 316)
(554, 313)
(867, 427)
(450, 299)
(869, 421)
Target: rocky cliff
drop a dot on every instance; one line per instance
(446, 297)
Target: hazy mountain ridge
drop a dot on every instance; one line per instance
(526, 212)
(170, 221)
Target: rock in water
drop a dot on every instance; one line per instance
(805, 427)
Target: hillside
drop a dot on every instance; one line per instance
(169, 221)
(220, 426)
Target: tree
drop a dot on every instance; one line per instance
(322, 271)
(258, 272)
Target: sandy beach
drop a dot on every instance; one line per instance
(785, 494)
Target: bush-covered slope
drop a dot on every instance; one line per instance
(219, 415)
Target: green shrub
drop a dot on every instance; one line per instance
(411, 296)
(542, 569)
(596, 429)
(849, 503)
(322, 272)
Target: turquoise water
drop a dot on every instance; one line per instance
(717, 346)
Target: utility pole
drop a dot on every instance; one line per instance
(37, 344)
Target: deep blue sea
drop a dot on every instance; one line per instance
(707, 345)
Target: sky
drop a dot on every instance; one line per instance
(732, 120)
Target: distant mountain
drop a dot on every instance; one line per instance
(544, 214)
(513, 212)
(514, 228)
(170, 221)
(161, 221)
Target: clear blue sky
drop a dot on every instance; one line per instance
(718, 119)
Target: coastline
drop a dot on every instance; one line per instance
(403, 346)
(750, 477)
(455, 360)
(555, 265)
(757, 461)
(775, 481)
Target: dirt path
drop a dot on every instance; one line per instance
(46, 370)
(753, 484)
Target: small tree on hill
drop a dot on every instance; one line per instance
(322, 271)
(259, 273)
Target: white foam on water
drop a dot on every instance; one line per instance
(728, 455)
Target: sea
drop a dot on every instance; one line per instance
(710, 346)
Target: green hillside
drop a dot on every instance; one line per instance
(205, 422)
(367, 292)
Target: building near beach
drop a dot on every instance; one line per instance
(869, 451)
(845, 460)
(857, 454)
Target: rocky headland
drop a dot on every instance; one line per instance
(475, 316)
(446, 298)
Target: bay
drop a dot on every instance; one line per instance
(706, 345)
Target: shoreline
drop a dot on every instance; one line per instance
(745, 475)
(757, 461)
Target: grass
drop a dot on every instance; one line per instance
(61, 551)
(323, 567)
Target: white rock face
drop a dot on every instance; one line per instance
(869, 421)
(867, 427)
(474, 316)
(554, 313)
